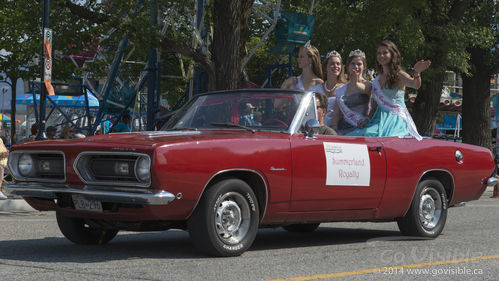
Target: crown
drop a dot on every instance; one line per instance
(333, 54)
(307, 45)
(357, 53)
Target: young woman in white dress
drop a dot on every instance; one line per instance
(334, 76)
(309, 61)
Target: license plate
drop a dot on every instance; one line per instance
(86, 205)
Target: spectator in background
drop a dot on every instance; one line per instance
(106, 126)
(51, 132)
(66, 132)
(4, 155)
(34, 131)
(123, 125)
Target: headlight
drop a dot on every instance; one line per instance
(25, 164)
(142, 167)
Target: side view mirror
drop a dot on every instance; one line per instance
(312, 127)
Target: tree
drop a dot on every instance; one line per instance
(21, 37)
(223, 61)
(441, 26)
(423, 29)
(483, 41)
(20, 44)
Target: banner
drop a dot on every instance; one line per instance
(47, 71)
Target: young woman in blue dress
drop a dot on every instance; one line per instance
(391, 117)
(352, 99)
(309, 61)
(334, 77)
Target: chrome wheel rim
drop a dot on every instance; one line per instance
(232, 218)
(430, 208)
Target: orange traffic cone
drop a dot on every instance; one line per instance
(496, 191)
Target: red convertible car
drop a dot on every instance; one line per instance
(230, 162)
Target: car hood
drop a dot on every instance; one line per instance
(152, 138)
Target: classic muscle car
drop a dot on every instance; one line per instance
(230, 162)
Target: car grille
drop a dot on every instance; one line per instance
(109, 168)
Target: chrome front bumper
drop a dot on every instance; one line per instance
(492, 181)
(103, 194)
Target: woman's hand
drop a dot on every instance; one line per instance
(422, 65)
(362, 123)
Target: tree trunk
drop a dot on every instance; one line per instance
(476, 101)
(13, 137)
(426, 104)
(442, 13)
(228, 48)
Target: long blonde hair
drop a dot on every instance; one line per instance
(341, 77)
(314, 54)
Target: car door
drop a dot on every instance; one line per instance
(336, 173)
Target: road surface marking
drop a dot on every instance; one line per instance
(375, 270)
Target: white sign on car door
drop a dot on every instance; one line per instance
(347, 164)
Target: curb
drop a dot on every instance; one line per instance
(15, 205)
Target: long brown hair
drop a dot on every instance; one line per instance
(313, 53)
(394, 65)
(341, 77)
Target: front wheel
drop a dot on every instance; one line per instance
(77, 231)
(226, 220)
(428, 212)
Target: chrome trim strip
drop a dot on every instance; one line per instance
(131, 196)
(300, 112)
(236, 170)
(84, 153)
(16, 175)
(419, 180)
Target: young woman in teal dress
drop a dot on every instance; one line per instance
(391, 117)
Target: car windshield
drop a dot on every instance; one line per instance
(245, 110)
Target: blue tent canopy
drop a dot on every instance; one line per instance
(67, 101)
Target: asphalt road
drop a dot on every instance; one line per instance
(32, 248)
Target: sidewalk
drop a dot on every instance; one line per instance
(14, 205)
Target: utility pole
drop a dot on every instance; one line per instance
(43, 89)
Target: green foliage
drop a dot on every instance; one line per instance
(420, 28)
(19, 33)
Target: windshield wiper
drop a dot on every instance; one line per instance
(232, 125)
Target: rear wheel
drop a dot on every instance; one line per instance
(306, 227)
(79, 232)
(428, 212)
(226, 220)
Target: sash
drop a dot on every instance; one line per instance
(351, 117)
(391, 106)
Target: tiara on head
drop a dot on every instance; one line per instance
(307, 45)
(333, 54)
(357, 53)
